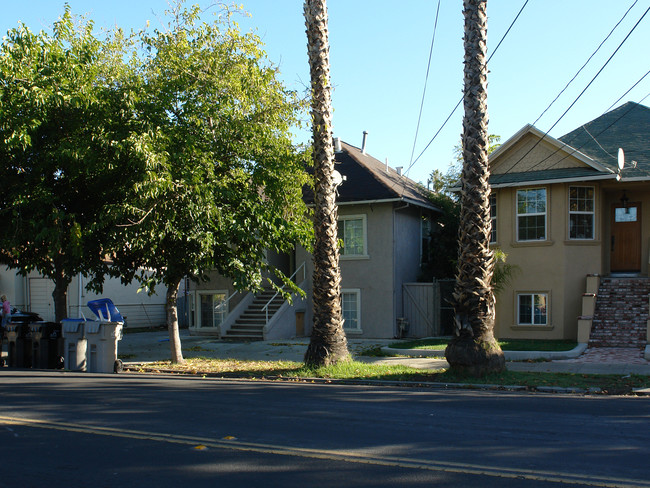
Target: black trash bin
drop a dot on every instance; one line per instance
(47, 345)
(18, 345)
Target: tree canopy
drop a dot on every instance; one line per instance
(68, 149)
(170, 151)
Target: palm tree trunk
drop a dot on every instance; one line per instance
(474, 349)
(328, 344)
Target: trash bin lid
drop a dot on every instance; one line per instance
(105, 310)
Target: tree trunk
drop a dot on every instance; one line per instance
(474, 349)
(172, 322)
(60, 295)
(328, 344)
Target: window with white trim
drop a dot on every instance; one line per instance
(493, 218)
(532, 309)
(531, 214)
(581, 212)
(352, 232)
(212, 308)
(425, 239)
(351, 309)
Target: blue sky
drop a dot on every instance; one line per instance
(379, 53)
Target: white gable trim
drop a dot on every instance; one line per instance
(529, 129)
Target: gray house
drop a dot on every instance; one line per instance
(383, 225)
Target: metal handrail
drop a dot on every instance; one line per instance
(226, 302)
(295, 273)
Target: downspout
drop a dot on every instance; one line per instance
(395, 331)
(79, 287)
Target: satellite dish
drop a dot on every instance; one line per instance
(621, 158)
(338, 179)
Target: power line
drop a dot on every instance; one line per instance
(426, 80)
(578, 97)
(461, 99)
(586, 62)
(577, 149)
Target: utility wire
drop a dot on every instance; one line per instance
(578, 97)
(586, 62)
(461, 99)
(577, 149)
(628, 91)
(426, 80)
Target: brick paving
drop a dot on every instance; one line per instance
(609, 355)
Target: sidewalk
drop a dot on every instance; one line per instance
(154, 346)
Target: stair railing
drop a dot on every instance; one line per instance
(266, 307)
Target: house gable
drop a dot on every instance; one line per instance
(531, 156)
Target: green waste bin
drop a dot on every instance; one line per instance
(18, 345)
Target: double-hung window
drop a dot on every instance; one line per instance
(351, 309)
(581, 212)
(532, 308)
(352, 232)
(531, 214)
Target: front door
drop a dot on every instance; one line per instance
(626, 237)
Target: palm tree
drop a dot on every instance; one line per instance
(328, 344)
(474, 349)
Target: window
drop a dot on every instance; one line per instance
(531, 214)
(352, 231)
(212, 308)
(532, 308)
(581, 212)
(493, 218)
(351, 309)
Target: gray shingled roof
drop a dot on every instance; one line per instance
(370, 180)
(627, 127)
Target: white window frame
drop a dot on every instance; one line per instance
(532, 296)
(196, 301)
(493, 218)
(364, 226)
(583, 212)
(532, 214)
(357, 292)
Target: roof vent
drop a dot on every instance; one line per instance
(363, 143)
(337, 144)
(399, 170)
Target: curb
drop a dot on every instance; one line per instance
(509, 355)
(141, 368)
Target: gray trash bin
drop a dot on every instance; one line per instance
(103, 336)
(74, 344)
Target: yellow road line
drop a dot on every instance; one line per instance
(335, 455)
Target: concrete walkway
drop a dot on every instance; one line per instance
(154, 346)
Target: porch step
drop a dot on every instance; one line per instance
(249, 326)
(621, 313)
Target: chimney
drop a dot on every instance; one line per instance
(399, 170)
(337, 145)
(363, 144)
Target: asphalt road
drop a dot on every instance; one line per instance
(65, 429)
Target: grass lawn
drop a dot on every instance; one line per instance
(506, 344)
(355, 370)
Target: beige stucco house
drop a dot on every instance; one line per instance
(570, 218)
(381, 215)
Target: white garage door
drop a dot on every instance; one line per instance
(40, 297)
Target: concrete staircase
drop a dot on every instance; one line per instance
(620, 315)
(249, 326)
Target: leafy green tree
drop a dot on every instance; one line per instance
(67, 148)
(224, 180)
